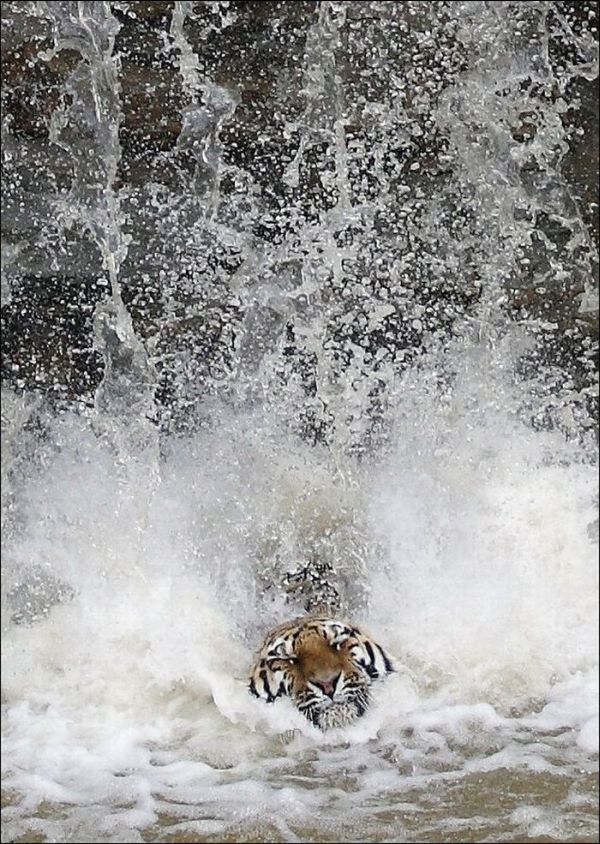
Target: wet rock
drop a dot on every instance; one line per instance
(234, 118)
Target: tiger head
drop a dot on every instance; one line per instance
(325, 666)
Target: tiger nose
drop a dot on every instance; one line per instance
(328, 686)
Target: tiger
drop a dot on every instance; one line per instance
(324, 665)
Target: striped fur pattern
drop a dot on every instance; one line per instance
(324, 665)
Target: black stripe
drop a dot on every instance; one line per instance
(371, 670)
(252, 688)
(268, 692)
(388, 665)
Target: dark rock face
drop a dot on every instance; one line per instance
(299, 173)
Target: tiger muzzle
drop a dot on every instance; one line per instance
(327, 686)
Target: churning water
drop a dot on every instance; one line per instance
(347, 330)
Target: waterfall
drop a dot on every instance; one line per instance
(299, 309)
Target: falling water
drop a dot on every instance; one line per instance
(299, 306)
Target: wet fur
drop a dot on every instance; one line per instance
(324, 665)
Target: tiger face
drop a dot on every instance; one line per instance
(325, 666)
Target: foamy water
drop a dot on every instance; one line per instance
(126, 713)
(376, 265)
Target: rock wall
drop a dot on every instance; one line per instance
(246, 129)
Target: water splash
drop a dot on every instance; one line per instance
(343, 288)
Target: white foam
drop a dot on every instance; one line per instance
(492, 583)
(132, 694)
